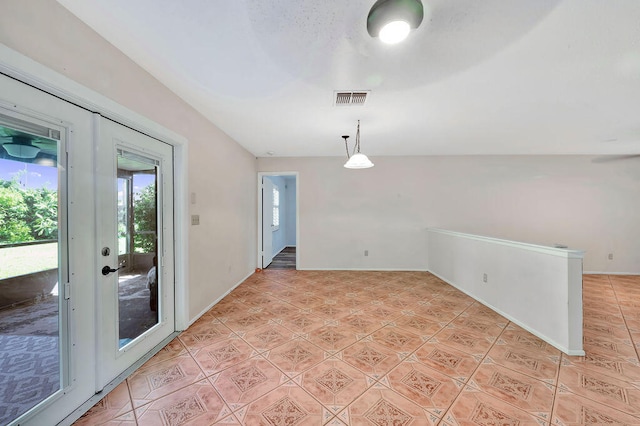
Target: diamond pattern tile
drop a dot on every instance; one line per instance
(196, 404)
(522, 391)
(376, 348)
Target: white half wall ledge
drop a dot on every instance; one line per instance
(539, 288)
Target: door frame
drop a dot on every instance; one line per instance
(259, 215)
(26, 70)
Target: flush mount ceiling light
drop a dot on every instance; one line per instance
(391, 20)
(356, 160)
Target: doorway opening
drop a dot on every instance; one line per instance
(278, 219)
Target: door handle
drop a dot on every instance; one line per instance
(107, 270)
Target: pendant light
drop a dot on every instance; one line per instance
(392, 20)
(357, 160)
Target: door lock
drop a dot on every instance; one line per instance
(107, 270)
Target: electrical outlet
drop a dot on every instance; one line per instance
(195, 219)
(366, 252)
(610, 256)
(484, 278)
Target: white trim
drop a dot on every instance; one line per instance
(515, 321)
(365, 269)
(554, 251)
(181, 237)
(259, 215)
(26, 70)
(215, 302)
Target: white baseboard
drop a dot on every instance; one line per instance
(364, 269)
(205, 310)
(517, 322)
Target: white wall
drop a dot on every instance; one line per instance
(221, 173)
(538, 199)
(537, 287)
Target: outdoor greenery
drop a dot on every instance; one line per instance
(144, 220)
(31, 214)
(27, 214)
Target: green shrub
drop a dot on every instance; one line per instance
(27, 214)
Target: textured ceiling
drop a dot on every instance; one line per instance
(478, 77)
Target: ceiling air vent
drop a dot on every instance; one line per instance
(351, 98)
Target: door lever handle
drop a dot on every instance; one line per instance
(107, 270)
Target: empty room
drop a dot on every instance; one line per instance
(391, 212)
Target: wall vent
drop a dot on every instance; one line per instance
(343, 98)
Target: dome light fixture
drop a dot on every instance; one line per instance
(357, 160)
(21, 149)
(392, 20)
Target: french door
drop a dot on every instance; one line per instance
(86, 253)
(46, 250)
(135, 269)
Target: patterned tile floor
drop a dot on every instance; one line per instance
(383, 348)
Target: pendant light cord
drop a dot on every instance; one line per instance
(346, 146)
(357, 145)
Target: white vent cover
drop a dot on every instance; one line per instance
(344, 98)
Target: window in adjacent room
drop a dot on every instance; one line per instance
(276, 209)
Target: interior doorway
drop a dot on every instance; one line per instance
(278, 220)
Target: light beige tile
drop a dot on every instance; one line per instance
(197, 404)
(115, 407)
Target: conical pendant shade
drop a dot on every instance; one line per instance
(358, 161)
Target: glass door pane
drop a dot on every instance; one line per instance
(137, 245)
(30, 355)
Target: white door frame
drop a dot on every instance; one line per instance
(267, 220)
(259, 248)
(22, 68)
